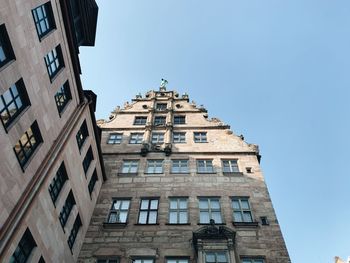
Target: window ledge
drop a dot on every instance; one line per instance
(208, 224)
(200, 142)
(206, 172)
(246, 224)
(127, 174)
(55, 75)
(114, 225)
(138, 224)
(180, 173)
(178, 224)
(232, 173)
(154, 173)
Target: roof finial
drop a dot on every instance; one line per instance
(163, 85)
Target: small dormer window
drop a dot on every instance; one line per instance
(161, 106)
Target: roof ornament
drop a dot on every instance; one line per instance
(163, 84)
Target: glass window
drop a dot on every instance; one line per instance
(215, 257)
(119, 211)
(82, 134)
(230, 166)
(136, 138)
(24, 248)
(13, 102)
(58, 182)
(205, 166)
(252, 260)
(87, 160)
(130, 166)
(179, 166)
(209, 208)
(27, 144)
(241, 210)
(179, 137)
(6, 52)
(148, 211)
(140, 120)
(159, 120)
(154, 166)
(54, 61)
(92, 182)
(140, 260)
(200, 137)
(178, 210)
(74, 232)
(115, 138)
(177, 260)
(161, 106)
(43, 18)
(66, 209)
(157, 137)
(62, 97)
(179, 119)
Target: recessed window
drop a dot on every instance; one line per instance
(136, 138)
(179, 119)
(178, 210)
(24, 248)
(6, 51)
(252, 260)
(74, 232)
(179, 137)
(157, 137)
(177, 260)
(92, 182)
(115, 138)
(209, 208)
(54, 61)
(27, 144)
(148, 211)
(179, 166)
(241, 210)
(161, 106)
(143, 260)
(119, 211)
(230, 166)
(159, 120)
(44, 19)
(82, 134)
(66, 209)
(249, 170)
(200, 137)
(215, 257)
(130, 166)
(264, 220)
(13, 102)
(87, 160)
(107, 260)
(154, 166)
(205, 166)
(58, 182)
(62, 97)
(140, 120)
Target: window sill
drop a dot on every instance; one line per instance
(55, 75)
(200, 142)
(46, 34)
(187, 173)
(7, 63)
(16, 117)
(153, 173)
(233, 173)
(206, 172)
(138, 224)
(246, 224)
(178, 224)
(127, 174)
(114, 225)
(208, 224)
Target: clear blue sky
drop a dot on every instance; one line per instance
(277, 71)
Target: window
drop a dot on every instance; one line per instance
(161, 106)
(178, 213)
(143, 260)
(6, 52)
(177, 260)
(159, 120)
(44, 20)
(82, 134)
(66, 209)
(154, 166)
(179, 137)
(87, 160)
(205, 166)
(179, 166)
(54, 61)
(130, 166)
(108, 260)
(27, 144)
(209, 208)
(24, 248)
(252, 260)
(241, 210)
(230, 166)
(74, 232)
(140, 120)
(157, 137)
(136, 138)
(115, 138)
(13, 102)
(215, 257)
(179, 119)
(58, 182)
(200, 137)
(62, 97)
(119, 211)
(148, 211)
(92, 182)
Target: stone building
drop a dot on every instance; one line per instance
(180, 188)
(51, 170)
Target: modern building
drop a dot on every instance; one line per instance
(51, 170)
(180, 188)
